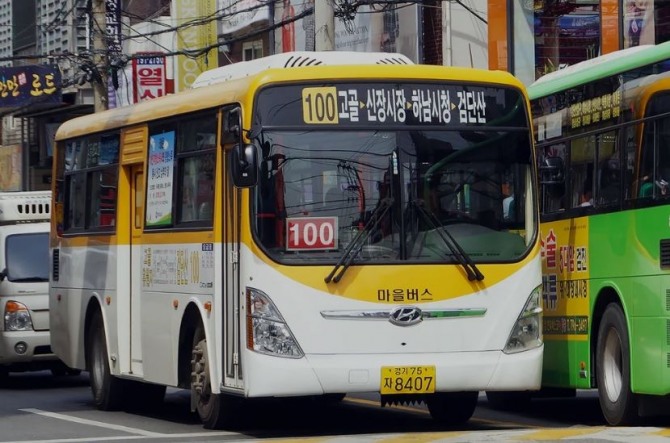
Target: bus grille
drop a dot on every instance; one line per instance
(55, 265)
(665, 253)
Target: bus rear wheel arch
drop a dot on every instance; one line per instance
(617, 402)
(107, 390)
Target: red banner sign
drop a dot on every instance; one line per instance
(149, 77)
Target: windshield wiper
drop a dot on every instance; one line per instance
(358, 241)
(456, 250)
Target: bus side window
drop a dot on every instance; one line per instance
(610, 182)
(196, 160)
(608, 176)
(582, 155)
(631, 186)
(552, 178)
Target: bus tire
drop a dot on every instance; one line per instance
(509, 400)
(617, 401)
(216, 411)
(452, 408)
(108, 391)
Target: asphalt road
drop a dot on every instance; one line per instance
(36, 407)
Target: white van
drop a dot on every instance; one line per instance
(24, 284)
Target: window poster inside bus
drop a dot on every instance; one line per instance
(391, 104)
(159, 186)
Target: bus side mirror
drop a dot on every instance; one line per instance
(3, 274)
(231, 128)
(552, 171)
(243, 160)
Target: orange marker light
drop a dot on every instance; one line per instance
(208, 307)
(175, 303)
(12, 306)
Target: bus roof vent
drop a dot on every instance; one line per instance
(296, 60)
(25, 206)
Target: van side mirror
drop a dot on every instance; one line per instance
(552, 171)
(243, 161)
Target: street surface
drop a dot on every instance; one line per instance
(36, 407)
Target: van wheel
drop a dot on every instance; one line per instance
(216, 411)
(617, 402)
(61, 370)
(4, 376)
(452, 408)
(107, 390)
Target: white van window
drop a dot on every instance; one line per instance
(27, 257)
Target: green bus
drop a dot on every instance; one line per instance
(602, 129)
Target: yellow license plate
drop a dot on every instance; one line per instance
(408, 380)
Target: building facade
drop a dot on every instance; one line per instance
(155, 47)
(533, 37)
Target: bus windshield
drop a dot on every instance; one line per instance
(320, 188)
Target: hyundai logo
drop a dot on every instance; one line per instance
(405, 316)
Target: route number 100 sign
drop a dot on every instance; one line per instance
(311, 233)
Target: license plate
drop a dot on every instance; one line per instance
(408, 380)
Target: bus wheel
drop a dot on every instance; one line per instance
(216, 411)
(617, 402)
(452, 408)
(107, 389)
(508, 400)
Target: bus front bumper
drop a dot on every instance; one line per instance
(321, 374)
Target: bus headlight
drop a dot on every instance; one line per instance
(267, 332)
(527, 331)
(17, 317)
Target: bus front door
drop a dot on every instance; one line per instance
(232, 293)
(136, 222)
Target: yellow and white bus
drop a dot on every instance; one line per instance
(307, 224)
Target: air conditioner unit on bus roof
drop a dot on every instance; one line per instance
(24, 206)
(295, 60)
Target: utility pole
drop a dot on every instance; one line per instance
(324, 25)
(99, 31)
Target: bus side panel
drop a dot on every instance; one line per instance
(566, 303)
(627, 258)
(175, 275)
(86, 271)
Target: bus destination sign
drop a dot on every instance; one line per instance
(391, 104)
(379, 103)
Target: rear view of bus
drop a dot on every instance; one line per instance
(303, 225)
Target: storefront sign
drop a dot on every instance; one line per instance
(148, 77)
(29, 84)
